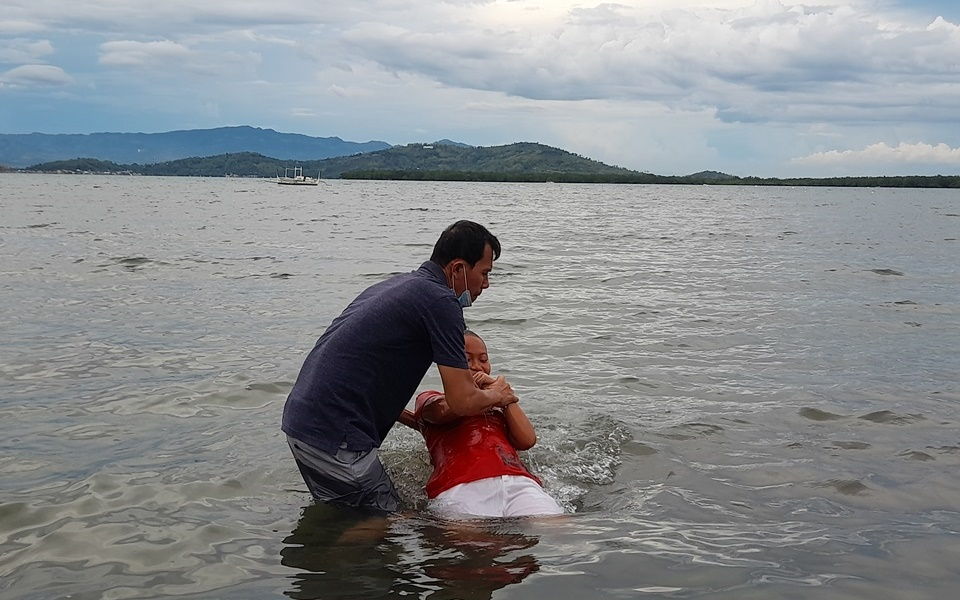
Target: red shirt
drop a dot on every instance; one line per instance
(468, 449)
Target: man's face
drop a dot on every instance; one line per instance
(477, 277)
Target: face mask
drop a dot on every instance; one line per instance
(464, 299)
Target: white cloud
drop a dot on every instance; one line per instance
(349, 92)
(301, 112)
(24, 51)
(881, 153)
(14, 27)
(35, 75)
(128, 53)
(163, 59)
(645, 83)
(238, 36)
(765, 61)
(167, 17)
(748, 60)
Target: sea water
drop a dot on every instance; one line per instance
(740, 392)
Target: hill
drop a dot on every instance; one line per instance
(521, 157)
(447, 142)
(715, 176)
(513, 162)
(21, 150)
(423, 158)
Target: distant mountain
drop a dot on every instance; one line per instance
(712, 176)
(21, 150)
(446, 142)
(513, 162)
(523, 157)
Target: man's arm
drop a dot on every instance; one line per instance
(465, 399)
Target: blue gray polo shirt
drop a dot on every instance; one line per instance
(368, 363)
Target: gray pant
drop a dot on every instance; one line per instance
(349, 478)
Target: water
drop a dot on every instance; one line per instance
(740, 392)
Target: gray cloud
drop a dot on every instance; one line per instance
(622, 81)
(129, 53)
(35, 75)
(172, 17)
(15, 27)
(19, 51)
(739, 61)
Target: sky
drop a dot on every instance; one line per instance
(761, 87)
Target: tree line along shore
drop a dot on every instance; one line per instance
(910, 181)
(531, 163)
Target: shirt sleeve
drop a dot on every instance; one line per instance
(425, 399)
(444, 324)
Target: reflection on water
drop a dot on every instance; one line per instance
(340, 554)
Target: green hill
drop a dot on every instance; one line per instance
(715, 176)
(522, 157)
(525, 162)
(516, 158)
(243, 164)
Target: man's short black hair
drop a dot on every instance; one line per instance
(466, 240)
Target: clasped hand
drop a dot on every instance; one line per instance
(497, 384)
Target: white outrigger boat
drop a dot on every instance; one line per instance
(295, 176)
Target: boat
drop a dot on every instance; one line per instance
(295, 176)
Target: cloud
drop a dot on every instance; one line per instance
(128, 53)
(14, 27)
(24, 51)
(349, 92)
(163, 59)
(164, 18)
(762, 62)
(35, 75)
(301, 112)
(881, 153)
(749, 61)
(657, 81)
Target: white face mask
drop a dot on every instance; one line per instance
(464, 299)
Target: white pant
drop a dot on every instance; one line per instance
(503, 496)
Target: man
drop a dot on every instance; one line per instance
(367, 364)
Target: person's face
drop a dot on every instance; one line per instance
(475, 278)
(477, 357)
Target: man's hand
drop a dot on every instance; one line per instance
(465, 398)
(482, 380)
(500, 386)
(497, 384)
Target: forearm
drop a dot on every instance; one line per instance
(465, 399)
(519, 427)
(474, 401)
(407, 418)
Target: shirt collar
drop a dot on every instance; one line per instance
(434, 272)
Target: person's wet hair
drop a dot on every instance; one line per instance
(466, 240)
